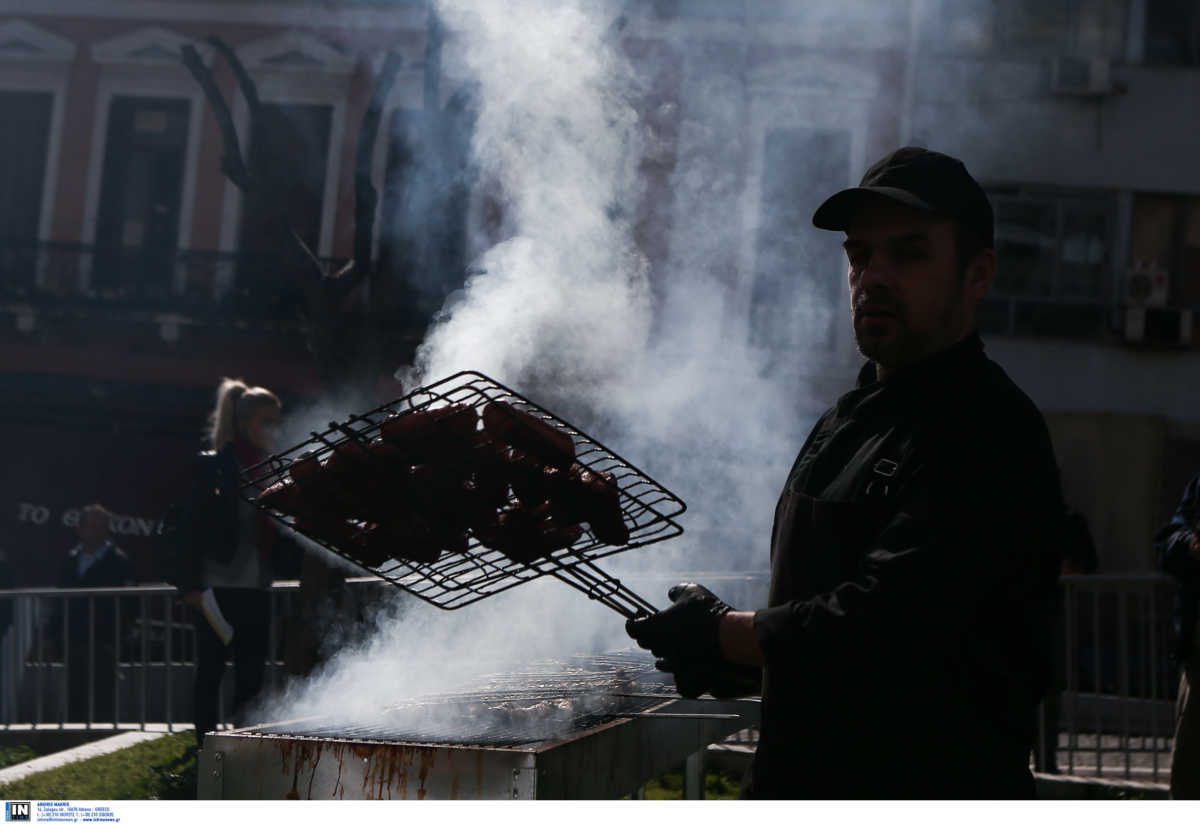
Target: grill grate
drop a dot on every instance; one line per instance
(456, 579)
(545, 703)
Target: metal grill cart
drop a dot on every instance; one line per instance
(590, 728)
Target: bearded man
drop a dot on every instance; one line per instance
(907, 638)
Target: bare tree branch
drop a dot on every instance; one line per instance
(245, 83)
(365, 194)
(232, 164)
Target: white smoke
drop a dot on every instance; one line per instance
(657, 364)
(566, 297)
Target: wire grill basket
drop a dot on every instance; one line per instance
(456, 579)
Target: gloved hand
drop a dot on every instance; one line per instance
(721, 680)
(687, 632)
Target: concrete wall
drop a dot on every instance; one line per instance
(1112, 471)
(1000, 118)
(1126, 426)
(1081, 376)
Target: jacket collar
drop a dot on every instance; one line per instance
(100, 552)
(932, 368)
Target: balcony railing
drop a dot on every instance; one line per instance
(259, 284)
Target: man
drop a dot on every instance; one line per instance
(913, 556)
(1178, 547)
(94, 562)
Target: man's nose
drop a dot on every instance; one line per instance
(875, 272)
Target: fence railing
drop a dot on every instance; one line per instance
(114, 657)
(162, 280)
(1116, 710)
(124, 656)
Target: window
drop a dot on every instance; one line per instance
(725, 10)
(137, 227)
(1172, 33)
(425, 237)
(1025, 29)
(289, 150)
(1055, 264)
(24, 134)
(795, 300)
(1165, 236)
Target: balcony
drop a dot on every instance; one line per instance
(196, 284)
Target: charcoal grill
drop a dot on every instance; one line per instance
(595, 727)
(456, 579)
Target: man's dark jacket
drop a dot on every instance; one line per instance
(1173, 547)
(914, 561)
(114, 569)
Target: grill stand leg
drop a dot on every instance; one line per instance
(693, 777)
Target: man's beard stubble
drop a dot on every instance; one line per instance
(904, 346)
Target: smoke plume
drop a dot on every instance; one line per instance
(661, 361)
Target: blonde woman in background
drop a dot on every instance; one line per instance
(227, 551)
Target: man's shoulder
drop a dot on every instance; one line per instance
(988, 418)
(993, 397)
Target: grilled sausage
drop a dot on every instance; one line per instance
(283, 497)
(489, 469)
(528, 434)
(587, 495)
(304, 469)
(528, 481)
(429, 433)
(371, 546)
(348, 459)
(525, 535)
(417, 539)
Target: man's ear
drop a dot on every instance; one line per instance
(981, 271)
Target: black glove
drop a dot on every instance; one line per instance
(721, 680)
(687, 632)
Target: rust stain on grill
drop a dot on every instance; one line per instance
(292, 756)
(427, 759)
(387, 768)
(339, 752)
(397, 764)
(313, 774)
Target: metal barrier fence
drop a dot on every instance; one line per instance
(1115, 714)
(111, 657)
(126, 656)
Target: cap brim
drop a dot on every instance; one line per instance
(837, 211)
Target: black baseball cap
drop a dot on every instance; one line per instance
(921, 178)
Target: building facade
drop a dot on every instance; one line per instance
(134, 273)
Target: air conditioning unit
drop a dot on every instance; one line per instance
(1080, 77)
(1146, 284)
(1158, 325)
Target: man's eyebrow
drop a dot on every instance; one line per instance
(850, 243)
(910, 238)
